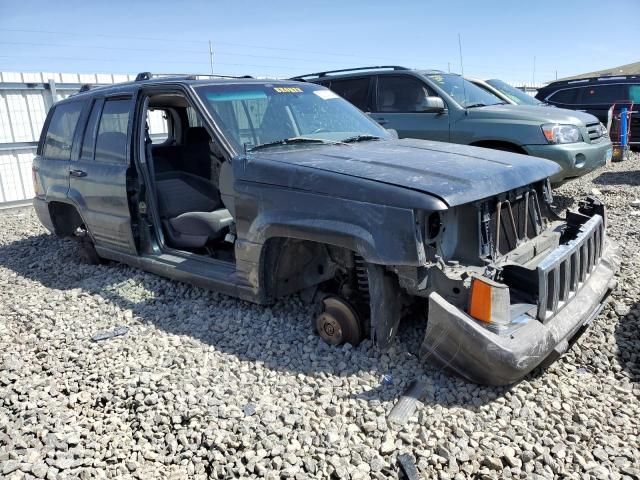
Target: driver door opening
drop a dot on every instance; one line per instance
(185, 168)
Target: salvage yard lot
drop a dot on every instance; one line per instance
(206, 385)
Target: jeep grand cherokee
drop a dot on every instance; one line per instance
(260, 189)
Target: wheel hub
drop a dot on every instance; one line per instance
(338, 322)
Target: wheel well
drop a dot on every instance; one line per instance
(290, 265)
(500, 145)
(65, 218)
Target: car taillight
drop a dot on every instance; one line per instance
(489, 301)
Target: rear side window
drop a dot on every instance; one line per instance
(354, 90)
(568, 96)
(59, 137)
(604, 94)
(111, 142)
(401, 94)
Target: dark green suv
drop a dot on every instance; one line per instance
(261, 189)
(434, 105)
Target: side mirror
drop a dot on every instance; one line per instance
(393, 132)
(433, 105)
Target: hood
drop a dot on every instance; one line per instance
(532, 113)
(457, 174)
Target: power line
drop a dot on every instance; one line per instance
(155, 62)
(165, 39)
(219, 53)
(164, 50)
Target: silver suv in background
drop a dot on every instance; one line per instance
(434, 105)
(505, 92)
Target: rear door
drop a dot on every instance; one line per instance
(597, 99)
(51, 165)
(399, 105)
(98, 173)
(356, 90)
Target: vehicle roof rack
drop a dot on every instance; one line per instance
(588, 80)
(343, 70)
(89, 86)
(185, 76)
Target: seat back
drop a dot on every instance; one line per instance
(180, 192)
(193, 156)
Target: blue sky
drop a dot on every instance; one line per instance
(275, 38)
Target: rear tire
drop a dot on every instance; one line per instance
(86, 249)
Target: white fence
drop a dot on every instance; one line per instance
(25, 99)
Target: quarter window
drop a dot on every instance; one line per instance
(111, 142)
(353, 90)
(401, 94)
(59, 138)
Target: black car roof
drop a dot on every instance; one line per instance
(592, 81)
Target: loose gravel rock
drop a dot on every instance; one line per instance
(203, 385)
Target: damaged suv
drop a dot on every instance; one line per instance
(260, 189)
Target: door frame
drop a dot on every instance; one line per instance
(152, 237)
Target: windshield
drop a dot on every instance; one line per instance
(465, 93)
(266, 115)
(518, 96)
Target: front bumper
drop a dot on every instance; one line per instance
(576, 159)
(455, 340)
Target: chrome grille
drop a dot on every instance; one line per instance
(594, 131)
(564, 271)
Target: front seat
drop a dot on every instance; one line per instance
(388, 101)
(190, 209)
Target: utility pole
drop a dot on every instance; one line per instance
(460, 51)
(533, 77)
(211, 56)
(449, 66)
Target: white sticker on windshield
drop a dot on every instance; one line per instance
(325, 94)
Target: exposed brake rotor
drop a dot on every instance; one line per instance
(338, 322)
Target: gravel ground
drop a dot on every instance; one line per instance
(204, 385)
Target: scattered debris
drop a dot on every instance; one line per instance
(107, 334)
(386, 380)
(406, 405)
(249, 409)
(408, 466)
(636, 203)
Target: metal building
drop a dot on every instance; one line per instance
(25, 99)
